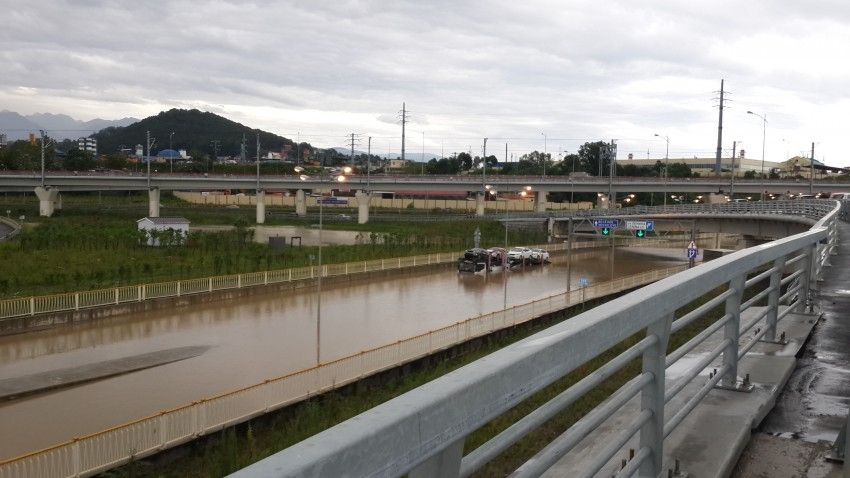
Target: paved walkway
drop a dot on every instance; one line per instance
(711, 439)
(795, 436)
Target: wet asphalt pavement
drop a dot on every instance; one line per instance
(814, 404)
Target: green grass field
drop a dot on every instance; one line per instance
(92, 243)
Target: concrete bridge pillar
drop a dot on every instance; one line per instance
(715, 198)
(47, 201)
(540, 201)
(153, 202)
(479, 204)
(300, 203)
(261, 206)
(364, 199)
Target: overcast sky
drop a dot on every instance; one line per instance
(512, 71)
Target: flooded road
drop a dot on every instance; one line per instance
(259, 337)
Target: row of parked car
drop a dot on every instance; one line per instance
(478, 260)
(534, 256)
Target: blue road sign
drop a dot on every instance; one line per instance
(606, 223)
(692, 253)
(582, 281)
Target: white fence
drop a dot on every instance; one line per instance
(47, 304)
(101, 451)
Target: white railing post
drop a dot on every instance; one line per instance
(652, 396)
(209, 284)
(266, 277)
(178, 288)
(238, 281)
(75, 457)
(139, 293)
(808, 279)
(144, 291)
(116, 295)
(162, 435)
(32, 305)
(773, 300)
(76, 301)
(732, 330)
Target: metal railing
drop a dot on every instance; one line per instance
(48, 304)
(101, 451)
(808, 208)
(422, 432)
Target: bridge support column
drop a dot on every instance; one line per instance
(261, 206)
(300, 203)
(364, 199)
(652, 397)
(479, 204)
(540, 202)
(47, 201)
(602, 201)
(715, 198)
(153, 202)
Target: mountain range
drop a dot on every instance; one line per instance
(57, 126)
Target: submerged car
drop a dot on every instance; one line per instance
(539, 256)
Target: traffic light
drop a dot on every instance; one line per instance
(606, 231)
(640, 233)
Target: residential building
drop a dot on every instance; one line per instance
(87, 144)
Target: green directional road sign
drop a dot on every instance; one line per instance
(606, 231)
(640, 233)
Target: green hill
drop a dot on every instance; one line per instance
(193, 131)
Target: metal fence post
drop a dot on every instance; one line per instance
(805, 281)
(445, 464)
(773, 300)
(732, 330)
(652, 396)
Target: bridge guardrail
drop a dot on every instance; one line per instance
(47, 304)
(95, 453)
(422, 432)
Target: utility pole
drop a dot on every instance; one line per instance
(243, 153)
(812, 170)
(43, 146)
(258, 157)
(215, 143)
(369, 165)
(298, 149)
(403, 127)
(351, 157)
(719, 133)
(732, 178)
(484, 164)
(506, 153)
(148, 143)
(171, 153)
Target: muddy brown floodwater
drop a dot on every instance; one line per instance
(255, 338)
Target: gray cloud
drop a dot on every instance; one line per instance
(577, 70)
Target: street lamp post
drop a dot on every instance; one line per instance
(341, 177)
(763, 136)
(171, 152)
(666, 162)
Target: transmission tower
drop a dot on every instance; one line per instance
(404, 116)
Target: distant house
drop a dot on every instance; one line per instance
(164, 230)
